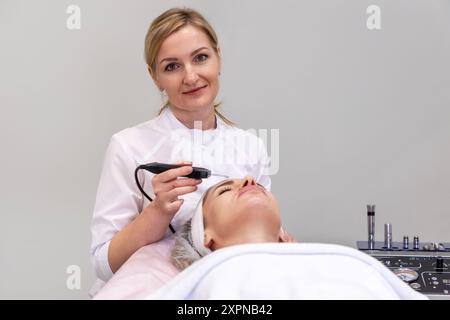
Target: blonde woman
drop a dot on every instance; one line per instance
(184, 61)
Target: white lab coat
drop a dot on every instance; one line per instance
(225, 150)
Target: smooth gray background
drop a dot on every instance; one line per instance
(363, 118)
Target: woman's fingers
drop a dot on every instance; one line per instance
(182, 182)
(173, 174)
(175, 205)
(171, 184)
(169, 202)
(184, 162)
(285, 236)
(165, 181)
(173, 194)
(288, 237)
(185, 182)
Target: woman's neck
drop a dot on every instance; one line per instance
(206, 118)
(255, 235)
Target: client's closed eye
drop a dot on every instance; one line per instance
(224, 190)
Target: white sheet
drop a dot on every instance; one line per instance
(287, 271)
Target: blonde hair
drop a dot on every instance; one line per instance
(168, 23)
(183, 253)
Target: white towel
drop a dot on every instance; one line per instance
(287, 271)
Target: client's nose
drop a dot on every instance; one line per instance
(248, 181)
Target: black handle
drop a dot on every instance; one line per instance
(157, 167)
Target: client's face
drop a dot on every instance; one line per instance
(240, 211)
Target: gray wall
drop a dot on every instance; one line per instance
(363, 118)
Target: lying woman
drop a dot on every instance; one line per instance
(234, 211)
(231, 249)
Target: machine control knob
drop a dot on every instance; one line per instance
(405, 242)
(406, 274)
(416, 243)
(439, 264)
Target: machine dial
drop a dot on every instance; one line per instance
(406, 274)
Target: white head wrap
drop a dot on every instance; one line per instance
(198, 228)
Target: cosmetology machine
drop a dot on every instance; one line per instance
(424, 266)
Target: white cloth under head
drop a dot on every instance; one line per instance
(198, 227)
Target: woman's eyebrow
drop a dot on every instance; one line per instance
(192, 54)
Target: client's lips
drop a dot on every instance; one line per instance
(251, 187)
(194, 90)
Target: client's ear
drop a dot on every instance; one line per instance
(280, 235)
(208, 241)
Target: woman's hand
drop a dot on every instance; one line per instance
(168, 186)
(150, 227)
(285, 237)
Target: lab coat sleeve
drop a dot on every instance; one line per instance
(117, 203)
(263, 176)
(100, 262)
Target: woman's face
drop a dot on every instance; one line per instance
(240, 211)
(187, 61)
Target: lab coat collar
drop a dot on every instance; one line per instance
(175, 124)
